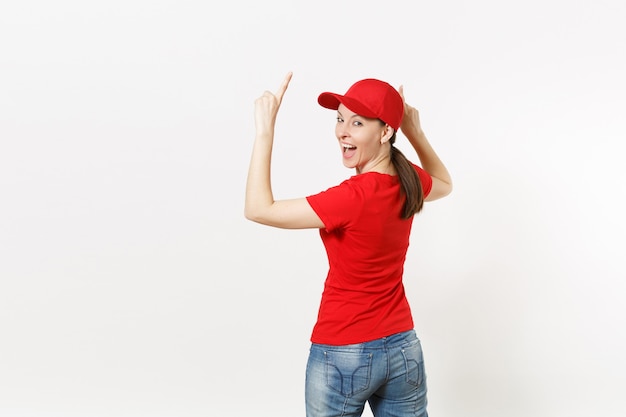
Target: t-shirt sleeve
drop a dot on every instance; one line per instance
(425, 179)
(336, 206)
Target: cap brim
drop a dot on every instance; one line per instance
(329, 100)
(332, 101)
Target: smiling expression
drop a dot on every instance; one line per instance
(363, 142)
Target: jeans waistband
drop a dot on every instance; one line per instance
(382, 343)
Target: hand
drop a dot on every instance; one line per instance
(266, 107)
(411, 126)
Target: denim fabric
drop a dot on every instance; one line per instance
(388, 373)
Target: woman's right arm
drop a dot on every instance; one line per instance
(429, 160)
(260, 205)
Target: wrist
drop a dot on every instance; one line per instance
(265, 135)
(417, 135)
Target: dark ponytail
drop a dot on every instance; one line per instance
(409, 181)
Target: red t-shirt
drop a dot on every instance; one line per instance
(366, 241)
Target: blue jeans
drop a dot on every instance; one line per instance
(388, 373)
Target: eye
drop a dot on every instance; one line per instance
(339, 119)
(357, 123)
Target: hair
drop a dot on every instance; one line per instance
(409, 181)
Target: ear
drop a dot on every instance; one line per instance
(387, 133)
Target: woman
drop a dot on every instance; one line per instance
(364, 348)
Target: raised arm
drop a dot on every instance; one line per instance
(260, 205)
(429, 160)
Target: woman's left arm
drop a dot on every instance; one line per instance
(260, 205)
(412, 129)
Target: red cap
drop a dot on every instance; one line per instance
(369, 98)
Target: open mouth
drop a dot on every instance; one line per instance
(347, 147)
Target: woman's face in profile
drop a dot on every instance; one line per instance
(360, 139)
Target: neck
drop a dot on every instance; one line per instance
(382, 166)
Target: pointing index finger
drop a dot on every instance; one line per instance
(283, 87)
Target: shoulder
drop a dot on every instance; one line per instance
(346, 189)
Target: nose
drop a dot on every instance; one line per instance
(342, 131)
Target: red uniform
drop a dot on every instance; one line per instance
(366, 241)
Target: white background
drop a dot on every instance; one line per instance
(131, 284)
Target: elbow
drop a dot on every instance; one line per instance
(250, 210)
(439, 190)
(448, 189)
(249, 214)
(254, 215)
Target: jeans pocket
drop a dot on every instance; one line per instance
(414, 362)
(348, 372)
